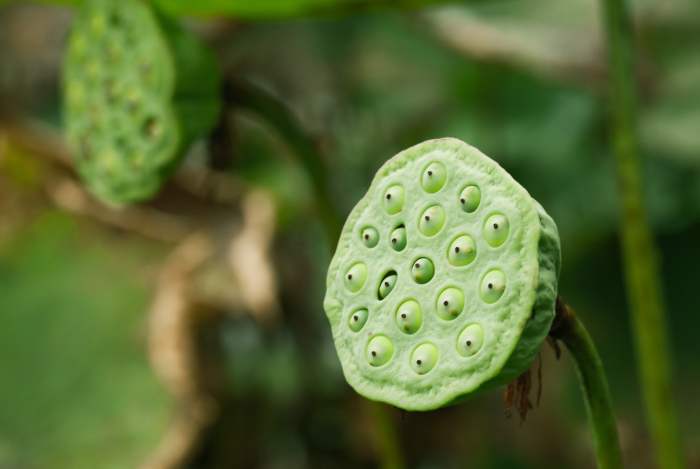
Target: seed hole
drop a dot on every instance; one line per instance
(409, 316)
(387, 284)
(423, 270)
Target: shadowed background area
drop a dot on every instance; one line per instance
(188, 331)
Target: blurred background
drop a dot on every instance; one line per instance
(188, 331)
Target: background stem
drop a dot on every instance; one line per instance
(251, 98)
(244, 95)
(639, 253)
(571, 331)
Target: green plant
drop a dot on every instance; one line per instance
(639, 252)
(138, 90)
(444, 283)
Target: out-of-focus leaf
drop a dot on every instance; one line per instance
(77, 391)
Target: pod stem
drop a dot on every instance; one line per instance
(569, 329)
(248, 97)
(639, 252)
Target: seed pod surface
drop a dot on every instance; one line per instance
(138, 90)
(472, 291)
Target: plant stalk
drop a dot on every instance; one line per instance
(246, 96)
(594, 385)
(639, 252)
(251, 98)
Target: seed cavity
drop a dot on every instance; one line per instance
(357, 319)
(369, 236)
(461, 251)
(393, 199)
(450, 303)
(433, 177)
(470, 198)
(493, 285)
(422, 270)
(496, 228)
(379, 350)
(356, 276)
(397, 238)
(409, 316)
(432, 220)
(424, 357)
(470, 340)
(387, 284)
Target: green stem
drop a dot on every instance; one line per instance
(251, 98)
(639, 253)
(387, 439)
(571, 331)
(246, 96)
(268, 9)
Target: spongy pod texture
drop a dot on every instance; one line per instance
(138, 89)
(444, 279)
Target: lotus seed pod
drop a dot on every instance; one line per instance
(138, 90)
(473, 287)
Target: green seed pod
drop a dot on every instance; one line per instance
(473, 287)
(138, 90)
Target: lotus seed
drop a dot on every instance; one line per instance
(423, 270)
(450, 303)
(432, 220)
(398, 238)
(393, 199)
(469, 198)
(492, 286)
(470, 340)
(434, 177)
(370, 237)
(379, 350)
(496, 229)
(424, 358)
(356, 277)
(358, 319)
(409, 316)
(462, 251)
(387, 285)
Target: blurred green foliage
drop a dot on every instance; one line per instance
(77, 390)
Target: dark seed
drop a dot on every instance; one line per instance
(374, 354)
(445, 302)
(386, 284)
(366, 236)
(349, 276)
(427, 218)
(469, 343)
(495, 226)
(462, 201)
(490, 285)
(418, 362)
(355, 318)
(417, 265)
(403, 315)
(393, 240)
(430, 173)
(456, 248)
(388, 196)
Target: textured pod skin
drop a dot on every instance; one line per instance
(138, 90)
(509, 283)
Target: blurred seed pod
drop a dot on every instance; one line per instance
(138, 90)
